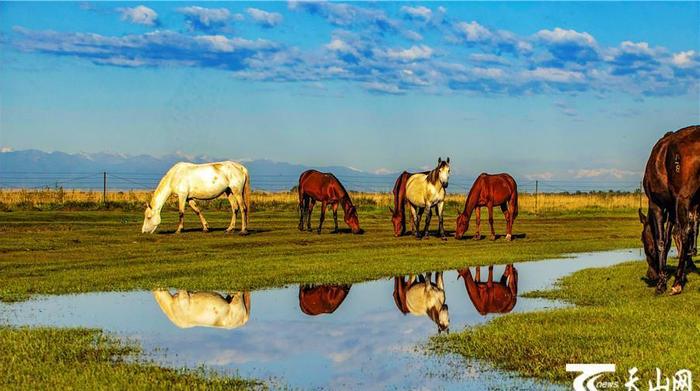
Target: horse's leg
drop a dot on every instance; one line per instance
(493, 232)
(426, 230)
(193, 205)
(335, 217)
(416, 213)
(441, 225)
(477, 234)
(234, 212)
(478, 274)
(439, 281)
(309, 209)
(657, 219)
(686, 232)
(505, 208)
(489, 282)
(323, 215)
(181, 200)
(244, 213)
(413, 219)
(302, 211)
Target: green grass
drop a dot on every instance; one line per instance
(49, 359)
(618, 319)
(55, 252)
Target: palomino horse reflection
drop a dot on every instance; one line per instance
(325, 187)
(204, 309)
(424, 191)
(420, 296)
(492, 297)
(489, 191)
(672, 185)
(207, 181)
(322, 299)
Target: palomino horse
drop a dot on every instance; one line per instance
(206, 309)
(672, 185)
(489, 190)
(423, 191)
(325, 187)
(206, 181)
(420, 296)
(398, 213)
(322, 299)
(489, 297)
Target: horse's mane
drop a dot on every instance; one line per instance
(346, 197)
(434, 175)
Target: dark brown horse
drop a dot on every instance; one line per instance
(322, 299)
(489, 297)
(489, 190)
(326, 188)
(672, 185)
(398, 213)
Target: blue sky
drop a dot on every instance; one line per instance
(542, 90)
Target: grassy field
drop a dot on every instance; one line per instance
(56, 252)
(54, 248)
(618, 319)
(80, 359)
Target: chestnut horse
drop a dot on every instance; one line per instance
(325, 187)
(489, 190)
(398, 214)
(321, 299)
(672, 186)
(489, 297)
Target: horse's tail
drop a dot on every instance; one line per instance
(246, 197)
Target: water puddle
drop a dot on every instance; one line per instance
(321, 337)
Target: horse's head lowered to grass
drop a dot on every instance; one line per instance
(151, 220)
(351, 219)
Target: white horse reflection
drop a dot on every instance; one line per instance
(204, 309)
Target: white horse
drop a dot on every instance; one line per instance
(206, 181)
(205, 309)
(421, 296)
(425, 191)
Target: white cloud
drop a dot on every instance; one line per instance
(139, 15)
(553, 75)
(540, 176)
(412, 35)
(419, 12)
(205, 17)
(267, 19)
(684, 59)
(603, 172)
(5, 149)
(385, 88)
(559, 35)
(414, 53)
(474, 32)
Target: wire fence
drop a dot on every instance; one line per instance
(125, 181)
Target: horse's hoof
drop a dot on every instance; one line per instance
(509, 237)
(244, 233)
(660, 288)
(205, 230)
(178, 232)
(228, 231)
(476, 237)
(444, 238)
(492, 237)
(676, 289)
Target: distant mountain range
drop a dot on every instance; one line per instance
(37, 169)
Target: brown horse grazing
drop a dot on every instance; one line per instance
(650, 251)
(398, 214)
(489, 190)
(325, 187)
(672, 185)
(322, 299)
(489, 297)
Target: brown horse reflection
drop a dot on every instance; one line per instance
(322, 299)
(420, 296)
(492, 297)
(204, 309)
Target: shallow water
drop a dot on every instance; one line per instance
(367, 342)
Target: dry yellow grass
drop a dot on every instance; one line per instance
(77, 199)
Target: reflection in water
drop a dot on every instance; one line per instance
(420, 296)
(206, 309)
(492, 297)
(321, 299)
